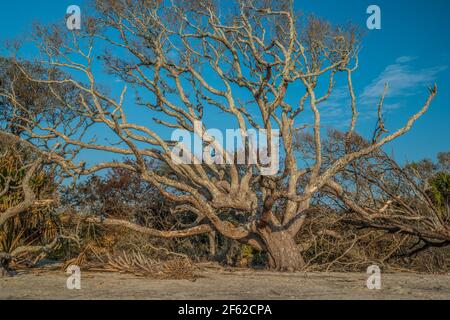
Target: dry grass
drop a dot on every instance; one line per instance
(331, 245)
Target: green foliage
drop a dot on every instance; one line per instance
(440, 189)
(434, 176)
(252, 256)
(247, 252)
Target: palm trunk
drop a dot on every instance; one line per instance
(4, 265)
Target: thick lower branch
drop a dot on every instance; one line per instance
(202, 229)
(28, 196)
(35, 249)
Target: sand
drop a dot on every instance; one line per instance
(239, 285)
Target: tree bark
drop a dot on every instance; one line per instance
(284, 254)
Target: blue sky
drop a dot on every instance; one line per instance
(411, 52)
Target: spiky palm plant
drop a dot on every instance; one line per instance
(34, 226)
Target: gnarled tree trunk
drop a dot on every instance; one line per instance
(284, 254)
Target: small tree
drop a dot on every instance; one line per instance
(259, 65)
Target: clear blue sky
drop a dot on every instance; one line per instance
(412, 51)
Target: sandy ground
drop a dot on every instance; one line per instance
(227, 286)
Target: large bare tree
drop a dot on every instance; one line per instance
(256, 63)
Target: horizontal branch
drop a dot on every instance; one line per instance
(201, 229)
(35, 249)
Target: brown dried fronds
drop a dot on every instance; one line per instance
(138, 264)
